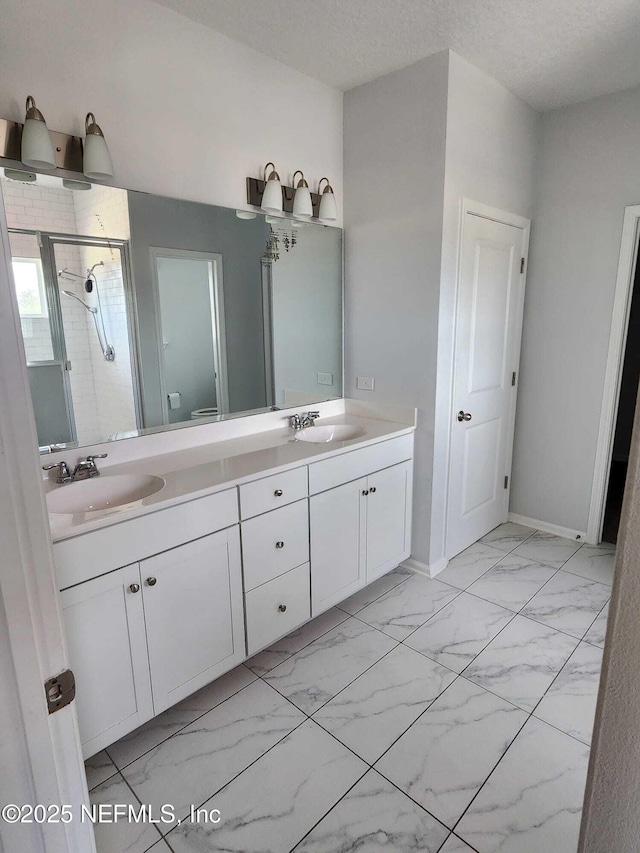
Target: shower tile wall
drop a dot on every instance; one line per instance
(102, 391)
(104, 212)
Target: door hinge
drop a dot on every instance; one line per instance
(513, 378)
(521, 265)
(506, 482)
(60, 690)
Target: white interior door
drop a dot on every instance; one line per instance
(488, 333)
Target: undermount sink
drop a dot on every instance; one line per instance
(104, 492)
(324, 434)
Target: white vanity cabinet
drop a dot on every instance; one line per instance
(143, 637)
(361, 529)
(104, 622)
(193, 613)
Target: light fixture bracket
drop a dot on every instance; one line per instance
(67, 149)
(255, 190)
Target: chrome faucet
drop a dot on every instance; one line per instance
(297, 422)
(84, 469)
(87, 467)
(64, 474)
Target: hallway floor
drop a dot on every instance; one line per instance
(449, 715)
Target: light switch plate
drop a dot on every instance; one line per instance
(325, 379)
(366, 383)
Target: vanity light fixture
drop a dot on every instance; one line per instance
(68, 184)
(21, 177)
(302, 207)
(96, 163)
(328, 209)
(272, 196)
(246, 214)
(37, 148)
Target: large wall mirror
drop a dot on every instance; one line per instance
(141, 313)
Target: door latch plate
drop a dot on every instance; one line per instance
(60, 690)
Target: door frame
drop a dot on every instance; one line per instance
(46, 755)
(484, 211)
(629, 247)
(218, 321)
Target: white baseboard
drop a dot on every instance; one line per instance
(429, 571)
(555, 529)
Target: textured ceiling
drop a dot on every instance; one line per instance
(549, 52)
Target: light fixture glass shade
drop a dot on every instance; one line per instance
(302, 207)
(272, 196)
(37, 149)
(328, 209)
(96, 161)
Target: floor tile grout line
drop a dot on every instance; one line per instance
(144, 806)
(182, 728)
(328, 812)
(492, 771)
(373, 600)
(226, 784)
(260, 674)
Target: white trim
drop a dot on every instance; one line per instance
(613, 373)
(429, 571)
(50, 751)
(477, 208)
(555, 529)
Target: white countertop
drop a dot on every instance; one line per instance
(197, 471)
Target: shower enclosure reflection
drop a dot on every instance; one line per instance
(140, 312)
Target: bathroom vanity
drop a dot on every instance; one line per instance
(252, 534)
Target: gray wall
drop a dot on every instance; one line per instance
(176, 224)
(307, 315)
(588, 170)
(394, 185)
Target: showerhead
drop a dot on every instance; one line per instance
(81, 301)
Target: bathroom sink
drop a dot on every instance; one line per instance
(324, 434)
(104, 492)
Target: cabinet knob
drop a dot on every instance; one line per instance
(372, 490)
(282, 607)
(365, 492)
(134, 587)
(152, 581)
(279, 545)
(278, 493)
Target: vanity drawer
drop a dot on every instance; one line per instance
(359, 463)
(276, 608)
(274, 543)
(273, 492)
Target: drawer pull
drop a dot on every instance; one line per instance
(152, 581)
(282, 608)
(372, 490)
(278, 493)
(134, 587)
(279, 545)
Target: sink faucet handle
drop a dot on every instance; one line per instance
(97, 456)
(64, 474)
(295, 422)
(313, 415)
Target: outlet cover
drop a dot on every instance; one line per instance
(325, 379)
(366, 383)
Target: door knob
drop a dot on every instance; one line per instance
(152, 581)
(464, 416)
(134, 587)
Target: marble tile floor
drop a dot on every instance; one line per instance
(449, 715)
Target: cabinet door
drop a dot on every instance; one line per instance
(388, 519)
(337, 520)
(104, 623)
(194, 615)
